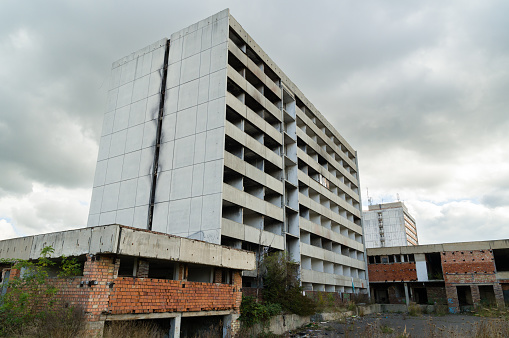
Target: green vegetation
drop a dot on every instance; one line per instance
(29, 308)
(281, 292)
(253, 312)
(282, 285)
(414, 310)
(386, 329)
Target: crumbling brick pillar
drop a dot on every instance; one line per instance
(233, 321)
(99, 271)
(452, 298)
(182, 271)
(218, 276)
(142, 271)
(476, 296)
(499, 295)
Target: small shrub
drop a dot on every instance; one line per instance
(414, 310)
(253, 312)
(441, 310)
(282, 285)
(386, 329)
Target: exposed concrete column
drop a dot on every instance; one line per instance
(407, 298)
(175, 326)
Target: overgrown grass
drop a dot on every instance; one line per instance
(386, 329)
(132, 329)
(414, 310)
(59, 323)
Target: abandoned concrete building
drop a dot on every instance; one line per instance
(133, 274)
(389, 224)
(205, 137)
(459, 275)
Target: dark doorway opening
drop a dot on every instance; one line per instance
(487, 295)
(505, 290)
(464, 297)
(421, 296)
(381, 296)
(209, 326)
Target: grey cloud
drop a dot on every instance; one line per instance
(414, 87)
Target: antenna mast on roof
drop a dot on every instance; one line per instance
(370, 200)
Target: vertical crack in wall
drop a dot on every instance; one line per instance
(158, 137)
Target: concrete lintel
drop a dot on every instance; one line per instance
(206, 313)
(137, 316)
(122, 240)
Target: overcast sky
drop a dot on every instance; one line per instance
(419, 88)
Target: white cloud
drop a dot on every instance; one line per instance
(459, 221)
(46, 209)
(7, 230)
(21, 39)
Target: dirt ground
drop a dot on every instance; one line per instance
(402, 325)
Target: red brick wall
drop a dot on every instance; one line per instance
(146, 295)
(476, 266)
(392, 272)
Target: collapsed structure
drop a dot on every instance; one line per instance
(205, 137)
(133, 274)
(459, 275)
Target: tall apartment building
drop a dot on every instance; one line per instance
(389, 224)
(206, 138)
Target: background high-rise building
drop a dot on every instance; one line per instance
(389, 224)
(205, 137)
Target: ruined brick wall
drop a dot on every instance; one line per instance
(436, 294)
(469, 267)
(476, 266)
(396, 294)
(254, 292)
(392, 272)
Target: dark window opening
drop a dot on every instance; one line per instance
(434, 266)
(501, 259)
(161, 269)
(126, 268)
(199, 273)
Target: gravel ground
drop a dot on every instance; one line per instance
(396, 325)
